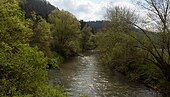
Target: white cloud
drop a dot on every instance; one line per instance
(124, 4)
(54, 2)
(89, 9)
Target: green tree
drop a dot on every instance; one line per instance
(20, 74)
(42, 38)
(42, 35)
(159, 14)
(87, 40)
(158, 19)
(13, 26)
(23, 72)
(66, 32)
(23, 68)
(114, 34)
(121, 48)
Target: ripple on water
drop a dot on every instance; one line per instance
(82, 75)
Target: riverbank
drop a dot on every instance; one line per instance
(146, 74)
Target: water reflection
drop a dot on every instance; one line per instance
(82, 75)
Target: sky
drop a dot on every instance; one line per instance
(89, 10)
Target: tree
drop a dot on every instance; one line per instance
(42, 35)
(114, 35)
(87, 38)
(23, 68)
(42, 38)
(158, 52)
(66, 32)
(13, 26)
(124, 48)
(159, 14)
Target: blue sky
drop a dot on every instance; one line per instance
(89, 10)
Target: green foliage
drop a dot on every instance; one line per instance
(24, 74)
(87, 40)
(54, 60)
(49, 91)
(66, 32)
(121, 50)
(13, 26)
(23, 68)
(151, 74)
(42, 38)
(42, 35)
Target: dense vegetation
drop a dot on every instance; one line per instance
(22, 64)
(29, 45)
(88, 36)
(66, 32)
(34, 36)
(141, 57)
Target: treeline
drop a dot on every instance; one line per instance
(28, 46)
(139, 53)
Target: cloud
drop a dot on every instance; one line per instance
(88, 9)
(124, 4)
(55, 2)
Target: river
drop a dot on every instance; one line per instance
(83, 75)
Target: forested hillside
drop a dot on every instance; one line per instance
(95, 25)
(41, 7)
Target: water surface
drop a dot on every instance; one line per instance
(83, 75)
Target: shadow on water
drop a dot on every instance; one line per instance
(83, 75)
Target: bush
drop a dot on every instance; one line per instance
(54, 59)
(152, 75)
(23, 71)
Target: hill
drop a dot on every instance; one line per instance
(95, 25)
(41, 7)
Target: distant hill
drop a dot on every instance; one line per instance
(95, 25)
(41, 7)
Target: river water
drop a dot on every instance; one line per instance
(83, 75)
